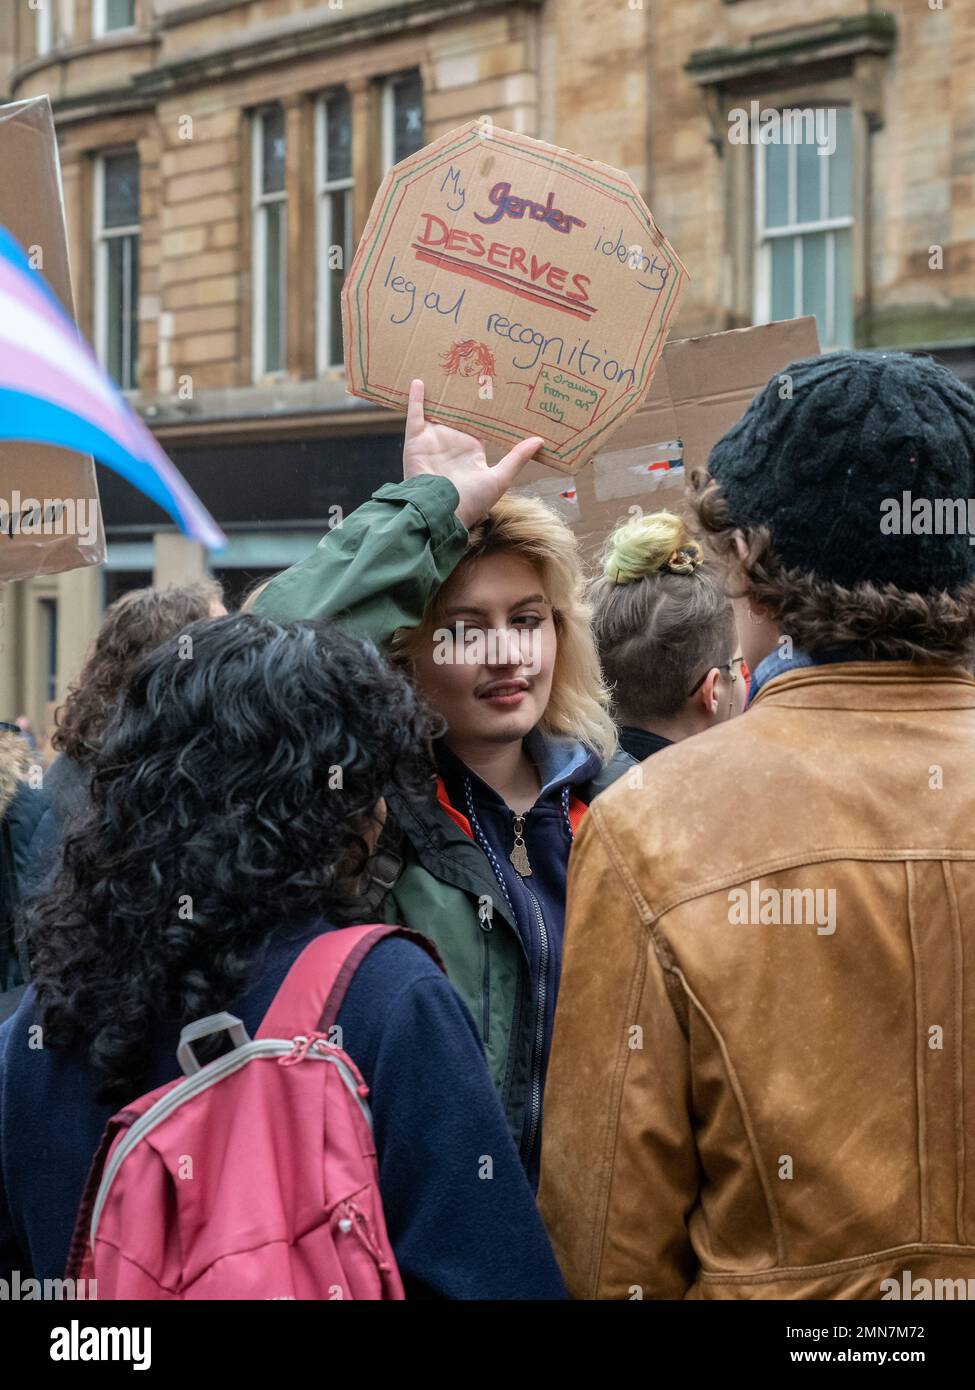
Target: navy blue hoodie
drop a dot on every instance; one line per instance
(456, 1233)
(537, 901)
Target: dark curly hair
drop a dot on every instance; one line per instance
(132, 626)
(880, 621)
(237, 776)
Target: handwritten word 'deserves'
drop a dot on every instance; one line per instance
(507, 205)
(515, 265)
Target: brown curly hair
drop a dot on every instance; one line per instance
(134, 624)
(882, 622)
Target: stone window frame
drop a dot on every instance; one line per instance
(99, 21)
(100, 235)
(794, 231)
(324, 187)
(389, 83)
(258, 202)
(742, 233)
(366, 98)
(839, 63)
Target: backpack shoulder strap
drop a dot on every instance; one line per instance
(312, 992)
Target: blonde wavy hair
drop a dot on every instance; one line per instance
(578, 705)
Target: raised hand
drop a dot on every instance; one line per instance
(448, 453)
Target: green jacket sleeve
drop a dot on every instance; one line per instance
(377, 571)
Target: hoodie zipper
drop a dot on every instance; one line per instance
(522, 866)
(535, 1101)
(535, 1069)
(519, 850)
(484, 917)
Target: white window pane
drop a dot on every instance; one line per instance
(808, 172)
(814, 281)
(119, 14)
(272, 151)
(274, 289)
(338, 138)
(843, 289)
(783, 278)
(776, 185)
(841, 166)
(121, 189)
(121, 319)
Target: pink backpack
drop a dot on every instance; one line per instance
(255, 1176)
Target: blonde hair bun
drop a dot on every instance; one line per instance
(651, 544)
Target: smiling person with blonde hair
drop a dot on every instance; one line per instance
(481, 597)
(666, 635)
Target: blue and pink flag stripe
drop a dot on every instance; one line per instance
(53, 391)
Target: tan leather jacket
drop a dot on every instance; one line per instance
(771, 1094)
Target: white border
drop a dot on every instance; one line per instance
(100, 239)
(259, 202)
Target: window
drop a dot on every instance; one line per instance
(805, 229)
(270, 243)
(117, 266)
(402, 117)
(334, 184)
(44, 31)
(111, 16)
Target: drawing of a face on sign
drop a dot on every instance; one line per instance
(527, 286)
(470, 359)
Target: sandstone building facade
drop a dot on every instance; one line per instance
(220, 157)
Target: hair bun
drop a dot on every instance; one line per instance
(648, 545)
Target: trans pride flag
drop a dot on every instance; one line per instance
(53, 391)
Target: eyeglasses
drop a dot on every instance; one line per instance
(732, 670)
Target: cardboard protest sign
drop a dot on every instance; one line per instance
(701, 387)
(527, 286)
(51, 487)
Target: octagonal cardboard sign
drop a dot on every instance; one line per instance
(527, 286)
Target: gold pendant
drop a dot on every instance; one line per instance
(519, 858)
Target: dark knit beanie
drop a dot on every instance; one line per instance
(825, 450)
